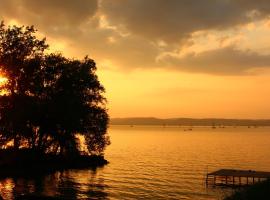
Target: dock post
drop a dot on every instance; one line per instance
(239, 180)
(231, 177)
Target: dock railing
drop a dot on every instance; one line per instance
(233, 177)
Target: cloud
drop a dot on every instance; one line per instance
(137, 32)
(77, 22)
(175, 20)
(125, 53)
(228, 60)
(54, 16)
(61, 12)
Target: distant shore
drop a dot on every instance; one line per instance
(189, 122)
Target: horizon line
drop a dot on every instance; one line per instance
(199, 118)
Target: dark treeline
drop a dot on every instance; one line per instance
(48, 100)
(189, 122)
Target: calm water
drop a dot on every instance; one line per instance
(156, 163)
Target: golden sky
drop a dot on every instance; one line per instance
(164, 58)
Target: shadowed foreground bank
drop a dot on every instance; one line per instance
(258, 191)
(35, 197)
(25, 162)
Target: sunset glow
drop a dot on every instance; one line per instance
(3, 80)
(190, 67)
(135, 99)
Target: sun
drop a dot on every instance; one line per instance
(3, 80)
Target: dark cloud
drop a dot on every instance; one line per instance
(147, 22)
(53, 16)
(227, 60)
(61, 12)
(174, 20)
(126, 53)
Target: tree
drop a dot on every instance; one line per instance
(49, 100)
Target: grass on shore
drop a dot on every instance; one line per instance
(259, 191)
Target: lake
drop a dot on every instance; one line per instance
(152, 162)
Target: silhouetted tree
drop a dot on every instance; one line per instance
(48, 100)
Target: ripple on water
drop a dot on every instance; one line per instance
(155, 163)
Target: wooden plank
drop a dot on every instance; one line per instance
(240, 173)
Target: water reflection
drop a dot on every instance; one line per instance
(70, 184)
(155, 163)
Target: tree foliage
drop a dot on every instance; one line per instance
(48, 100)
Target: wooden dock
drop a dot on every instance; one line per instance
(232, 177)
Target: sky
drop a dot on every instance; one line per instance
(163, 58)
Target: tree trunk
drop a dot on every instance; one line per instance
(16, 144)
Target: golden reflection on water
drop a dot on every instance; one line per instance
(6, 188)
(155, 163)
(71, 184)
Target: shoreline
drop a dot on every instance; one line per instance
(30, 163)
(257, 191)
